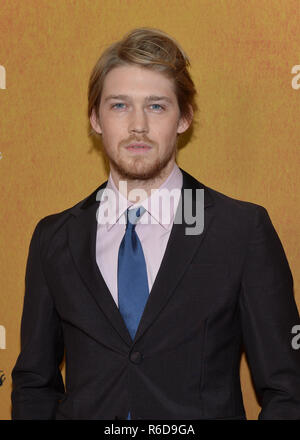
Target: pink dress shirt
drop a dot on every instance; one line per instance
(153, 229)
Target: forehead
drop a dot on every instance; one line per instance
(137, 81)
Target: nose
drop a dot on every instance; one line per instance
(138, 122)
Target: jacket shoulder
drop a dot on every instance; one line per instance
(51, 223)
(220, 200)
(238, 215)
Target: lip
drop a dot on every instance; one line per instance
(138, 147)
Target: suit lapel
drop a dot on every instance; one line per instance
(178, 255)
(82, 230)
(82, 243)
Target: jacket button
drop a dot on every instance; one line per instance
(136, 357)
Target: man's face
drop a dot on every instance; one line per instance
(139, 120)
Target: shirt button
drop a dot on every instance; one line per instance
(136, 357)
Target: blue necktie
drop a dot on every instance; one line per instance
(133, 290)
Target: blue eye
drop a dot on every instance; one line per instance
(156, 107)
(118, 105)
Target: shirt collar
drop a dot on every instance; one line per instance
(113, 204)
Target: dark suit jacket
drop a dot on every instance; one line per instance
(229, 287)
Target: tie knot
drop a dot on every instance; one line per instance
(134, 215)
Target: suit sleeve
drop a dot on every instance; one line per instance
(268, 314)
(36, 377)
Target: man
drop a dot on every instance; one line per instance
(152, 316)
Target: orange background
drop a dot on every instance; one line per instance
(245, 142)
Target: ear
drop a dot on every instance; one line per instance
(185, 121)
(95, 123)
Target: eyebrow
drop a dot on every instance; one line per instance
(148, 98)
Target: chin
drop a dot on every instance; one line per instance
(139, 170)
